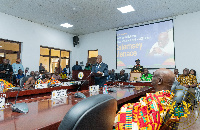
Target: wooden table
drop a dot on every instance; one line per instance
(47, 114)
(129, 83)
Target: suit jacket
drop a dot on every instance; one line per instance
(76, 67)
(102, 68)
(122, 78)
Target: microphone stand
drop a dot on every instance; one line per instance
(85, 81)
(81, 95)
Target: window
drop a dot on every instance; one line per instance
(52, 58)
(92, 55)
(9, 50)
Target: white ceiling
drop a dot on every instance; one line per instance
(89, 16)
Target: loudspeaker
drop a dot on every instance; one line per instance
(75, 40)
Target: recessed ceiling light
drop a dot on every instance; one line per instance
(66, 25)
(126, 9)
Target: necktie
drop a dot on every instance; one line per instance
(97, 68)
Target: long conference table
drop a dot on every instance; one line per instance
(46, 114)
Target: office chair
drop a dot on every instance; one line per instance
(93, 113)
(180, 95)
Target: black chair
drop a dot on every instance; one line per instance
(180, 95)
(93, 113)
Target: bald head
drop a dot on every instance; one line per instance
(99, 59)
(36, 73)
(163, 79)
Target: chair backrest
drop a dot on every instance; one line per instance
(180, 95)
(23, 80)
(179, 91)
(93, 113)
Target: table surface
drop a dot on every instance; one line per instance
(44, 112)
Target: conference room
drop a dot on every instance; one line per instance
(92, 52)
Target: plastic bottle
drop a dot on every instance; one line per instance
(1, 88)
(105, 89)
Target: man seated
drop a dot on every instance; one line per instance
(76, 67)
(56, 75)
(189, 81)
(122, 77)
(46, 77)
(137, 68)
(146, 76)
(111, 75)
(148, 114)
(29, 82)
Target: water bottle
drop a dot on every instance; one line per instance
(105, 89)
(1, 88)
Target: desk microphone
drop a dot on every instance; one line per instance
(79, 94)
(19, 107)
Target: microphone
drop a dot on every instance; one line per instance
(79, 94)
(19, 107)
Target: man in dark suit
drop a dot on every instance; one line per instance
(76, 67)
(101, 69)
(122, 77)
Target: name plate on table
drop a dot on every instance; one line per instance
(71, 83)
(60, 101)
(66, 84)
(94, 88)
(56, 94)
(94, 93)
(41, 86)
(2, 102)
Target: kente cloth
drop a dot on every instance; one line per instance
(148, 114)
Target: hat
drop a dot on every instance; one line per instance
(137, 60)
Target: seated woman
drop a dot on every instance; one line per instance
(146, 76)
(148, 114)
(193, 72)
(63, 75)
(56, 76)
(19, 75)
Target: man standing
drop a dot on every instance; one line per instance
(67, 70)
(76, 67)
(101, 69)
(137, 67)
(6, 71)
(16, 66)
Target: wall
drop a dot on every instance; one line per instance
(32, 35)
(104, 41)
(186, 32)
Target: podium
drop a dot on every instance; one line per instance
(82, 75)
(135, 76)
